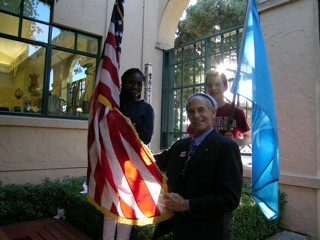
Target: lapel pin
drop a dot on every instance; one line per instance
(183, 154)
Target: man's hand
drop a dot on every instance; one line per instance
(243, 140)
(174, 202)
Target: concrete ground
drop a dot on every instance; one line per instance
(286, 235)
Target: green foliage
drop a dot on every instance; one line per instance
(29, 7)
(145, 233)
(25, 202)
(142, 232)
(79, 211)
(19, 203)
(209, 17)
(249, 221)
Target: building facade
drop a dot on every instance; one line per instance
(45, 137)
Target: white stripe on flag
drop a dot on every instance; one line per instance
(107, 80)
(110, 52)
(153, 186)
(119, 178)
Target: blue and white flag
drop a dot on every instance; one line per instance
(253, 82)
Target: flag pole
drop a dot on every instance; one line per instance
(231, 116)
(233, 103)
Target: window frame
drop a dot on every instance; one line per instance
(49, 48)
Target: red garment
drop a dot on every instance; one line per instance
(220, 122)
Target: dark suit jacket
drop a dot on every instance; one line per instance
(212, 182)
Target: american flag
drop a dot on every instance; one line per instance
(123, 180)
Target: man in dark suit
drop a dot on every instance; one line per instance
(204, 176)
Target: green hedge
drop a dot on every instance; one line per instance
(250, 223)
(20, 203)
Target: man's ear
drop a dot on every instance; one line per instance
(214, 111)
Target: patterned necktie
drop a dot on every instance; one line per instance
(192, 148)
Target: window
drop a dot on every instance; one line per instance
(184, 68)
(71, 84)
(45, 70)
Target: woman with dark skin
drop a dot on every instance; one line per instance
(132, 106)
(141, 115)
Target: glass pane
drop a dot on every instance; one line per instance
(176, 115)
(214, 45)
(36, 9)
(9, 24)
(199, 69)
(230, 41)
(188, 53)
(35, 31)
(87, 44)
(177, 75)
(71, 83)
(200, 49)
(215, 61)
(10, 6)
(21, 75)
(188, 74)
(199, 89)
(63, 38)
(178, 54)
(230, 60)
(186, 94)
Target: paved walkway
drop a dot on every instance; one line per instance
(286, 235)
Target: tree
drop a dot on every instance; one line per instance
(208, 17)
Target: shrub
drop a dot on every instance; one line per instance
(79, 211)
(19, 203)
(249, 221)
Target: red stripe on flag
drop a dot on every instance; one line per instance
(147, 160)
(119, 128)
(105, 91)
(112, 41)
(113, 71)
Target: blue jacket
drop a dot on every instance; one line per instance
(141, 115)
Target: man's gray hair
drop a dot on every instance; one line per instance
(211, 99)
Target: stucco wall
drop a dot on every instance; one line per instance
(292, 44)
(33, 149)
(140, 35)
(292, 40)
(90, 16)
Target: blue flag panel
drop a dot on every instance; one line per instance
(253, 82)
